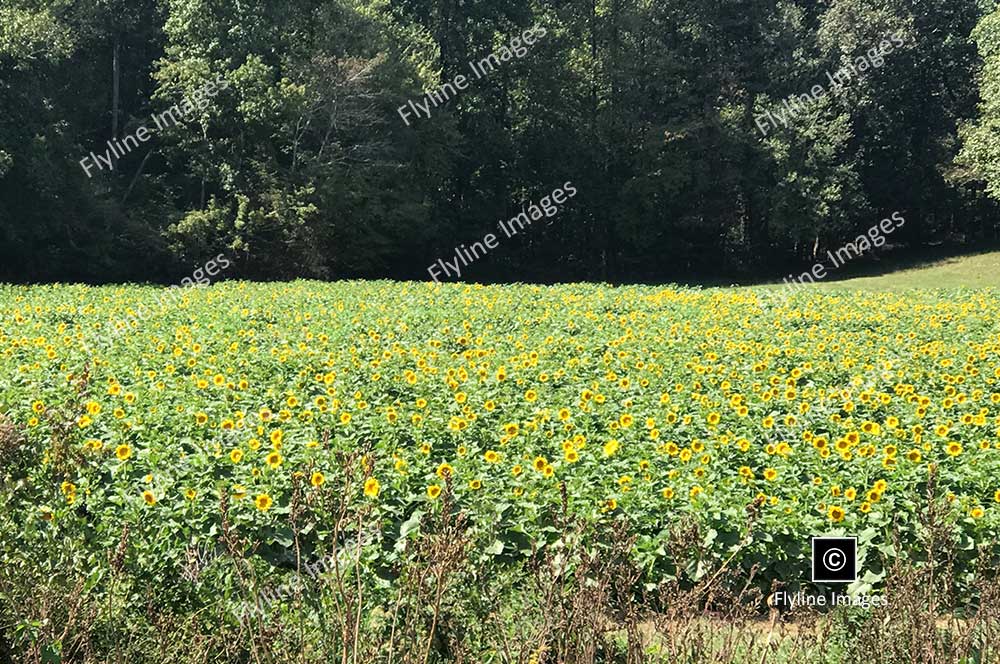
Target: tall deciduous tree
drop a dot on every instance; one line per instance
(982, 138)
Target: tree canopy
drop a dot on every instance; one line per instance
(300, 164)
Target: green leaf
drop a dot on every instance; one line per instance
(411, 524)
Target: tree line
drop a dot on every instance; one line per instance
(301, 164)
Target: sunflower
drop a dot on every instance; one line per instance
(372, 487)
(273, 460)
(317, 479)
(835, 513)
(148, 497)
(123, 452)
(433, 491)
(263, 502)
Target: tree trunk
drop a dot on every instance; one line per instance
(116, 77)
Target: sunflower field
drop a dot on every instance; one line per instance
(818, 413)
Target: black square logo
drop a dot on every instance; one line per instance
(834, 559)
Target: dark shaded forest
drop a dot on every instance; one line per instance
(274, 133)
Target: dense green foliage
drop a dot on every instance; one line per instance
(983, 140)
(301, 165)
(499, 457)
